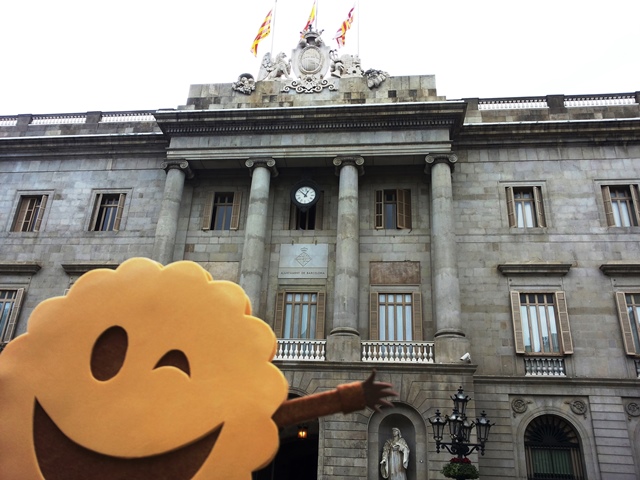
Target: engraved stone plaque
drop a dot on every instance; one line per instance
(303, 261)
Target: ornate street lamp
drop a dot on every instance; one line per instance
(460, 428)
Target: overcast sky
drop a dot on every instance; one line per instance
(68, 56)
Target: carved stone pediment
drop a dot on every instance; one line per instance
(310, 62)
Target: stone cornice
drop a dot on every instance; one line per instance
(620, 268)
(545, 133)
(534, 268)
(364, 117)
(79, 268)
(82, 144)
(19, 268)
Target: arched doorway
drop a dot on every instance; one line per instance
(553, 450)
(297, 458)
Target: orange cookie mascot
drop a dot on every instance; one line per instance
(150, 372)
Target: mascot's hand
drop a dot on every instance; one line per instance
(375, 393)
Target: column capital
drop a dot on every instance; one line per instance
(434, 158)
(266, 162)
(182, 165)
(353, 160)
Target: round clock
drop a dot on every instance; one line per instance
(305, 194)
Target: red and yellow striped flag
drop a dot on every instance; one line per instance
(342, 31)
(312, 18)
(265, 30)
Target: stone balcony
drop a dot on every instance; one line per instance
(299, 350)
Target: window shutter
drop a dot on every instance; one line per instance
(517, 321)
(404, 209)
(319, 211)
(608, 210)
(320, 315)
(96, 210)
(119, 211)
(279, 320)
(511, 211)
(563, 320)
(634, 198)
(540, 218)
(378, 208)
(625, 324)
(207, 211)
(235, 211)
(22, 212)
(417, 316)
(43, 205)
(374, 326)
(13, 318)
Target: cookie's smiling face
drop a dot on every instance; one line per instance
(150, 369)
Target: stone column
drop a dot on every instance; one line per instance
(450, 341)
(252, 264)
(343, 343)
(167, 226)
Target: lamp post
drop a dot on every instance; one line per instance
(460, 430)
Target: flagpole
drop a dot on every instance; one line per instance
(359, 21)
(273, 33)
(316, 19)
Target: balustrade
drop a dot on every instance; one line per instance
(512, 103)
(58, 119)
(398, 352)
(301, 350)
(600, 100)
(544, 366)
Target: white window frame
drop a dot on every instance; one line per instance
(402, 219)
(613, 215)
(37, 224)
(9, 317)
(563, 328)
(416, 310)
(630, 327)
(207, 211)
(537, 214)
(280, 321)
(124, 198)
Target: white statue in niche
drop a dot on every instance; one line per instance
(395, 457)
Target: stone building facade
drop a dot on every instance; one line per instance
(503, 228)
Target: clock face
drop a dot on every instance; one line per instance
(305, 195)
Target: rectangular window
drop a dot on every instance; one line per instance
(107, 212)
(310, 219)
(392, 209)
(541, 323)
(10, 300)
(30, 213)
(629, 316)
(525, 208)
(300, 315)
(396, 316)
(621, 205)
(222, 211)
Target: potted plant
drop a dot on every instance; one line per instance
(460, 469)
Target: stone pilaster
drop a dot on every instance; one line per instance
(167, 226)
(252, 265)
(450, 341)
(343, 343)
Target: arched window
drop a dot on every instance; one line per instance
(553, 450)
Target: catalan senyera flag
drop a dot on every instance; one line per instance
(312, 18)
(342, 31)
(263, 32)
